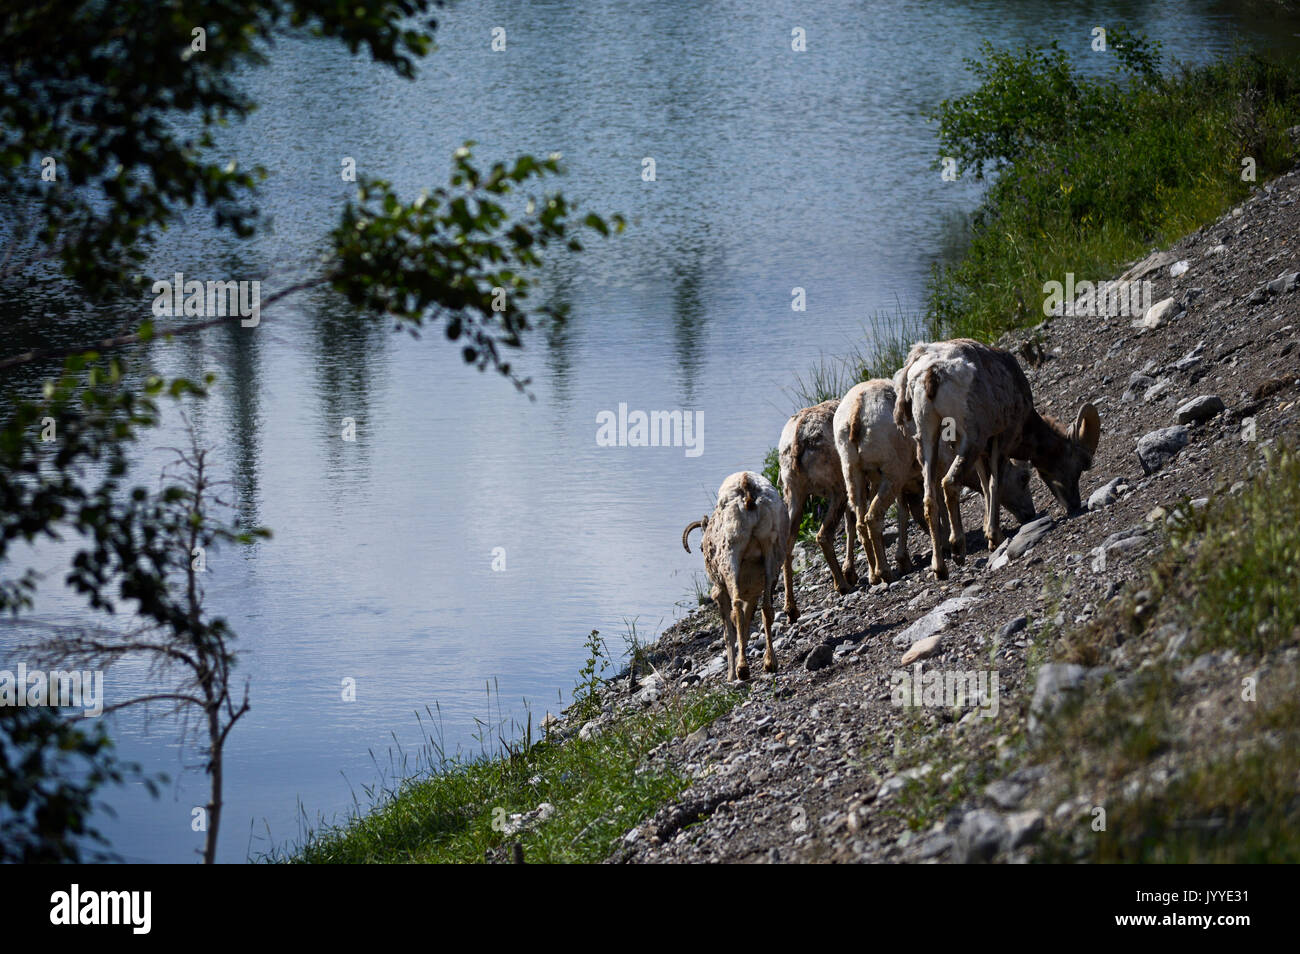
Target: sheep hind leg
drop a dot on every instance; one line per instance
(876, 526)
(952, 501)
(826, 538)
(859, 497)
(933, 511)
(769, 654)
(992, 514)
(725, 609)
(796, 515)
(743, 613)
(903, 559)
(850, 545)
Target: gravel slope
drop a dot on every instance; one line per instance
(804, 769)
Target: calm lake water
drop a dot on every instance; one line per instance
(774, 170)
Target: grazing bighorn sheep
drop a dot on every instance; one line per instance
(880, 467)
(977, 398)
(810, 466)
(744, 542)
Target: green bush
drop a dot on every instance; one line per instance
(1093, 172)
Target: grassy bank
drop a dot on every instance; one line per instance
(490, 807)
(1228, 585)
(1085, 174)
(1093, 173)
(1194, 755)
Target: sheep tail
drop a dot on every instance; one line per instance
(855, 420)
(751, 494)
(903, 400)
(932, 382)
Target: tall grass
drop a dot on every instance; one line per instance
(598, 788)
(886, 338)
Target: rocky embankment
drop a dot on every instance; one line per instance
(815, 762)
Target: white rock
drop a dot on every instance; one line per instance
(1159, 313)
(934, 621)
(923, 649)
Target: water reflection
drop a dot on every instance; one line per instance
(774, 171)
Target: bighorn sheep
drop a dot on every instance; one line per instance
(977, 398)
(880, 467)
(810, 466)
(744, 542)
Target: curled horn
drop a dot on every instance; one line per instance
(701, 523)
(1086, 429)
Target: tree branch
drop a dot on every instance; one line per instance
(120, 341)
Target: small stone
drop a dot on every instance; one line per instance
(1190, 360)
(891, 785)
(1199, 409)
(1022, 828)
(1179, 268)
(1284, 283)
(1158, 314)
(698, 737)
(979, 836)
(1158, 448)
(923, 649)
(1108, 493)
(1013, 627)
(934, 846)
(1157, 390)
(1054, 680)
(1027, 536)
(932, 622)
(1006, 794)
(820, 657)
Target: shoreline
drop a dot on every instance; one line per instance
(818, 763)
(1093, 689)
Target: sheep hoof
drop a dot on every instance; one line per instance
(792, 613)
(844, 589)
(851, 577)
(742, 671)
(940, 571)
(769, 664)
